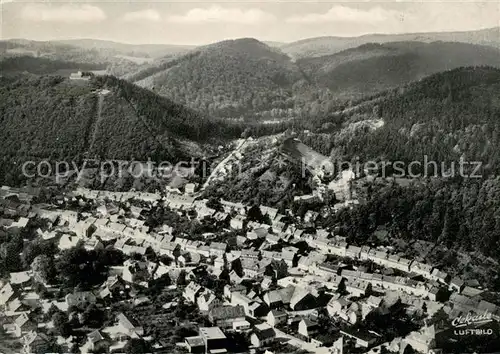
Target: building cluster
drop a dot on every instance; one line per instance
(279, 280)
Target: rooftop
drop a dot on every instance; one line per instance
(195, 341)
(212, 333)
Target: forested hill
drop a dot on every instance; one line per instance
(320, 46)
(372, 67)
(444, 116)
(227, 78)
(49, 117)
(41, 66)
(245, 77)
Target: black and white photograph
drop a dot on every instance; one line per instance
(249, 176)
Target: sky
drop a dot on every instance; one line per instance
(203, 22)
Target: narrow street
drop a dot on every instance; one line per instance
(222, 164)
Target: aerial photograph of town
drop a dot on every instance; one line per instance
(249, 177)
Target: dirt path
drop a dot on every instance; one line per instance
(222, 164)
(95, 128)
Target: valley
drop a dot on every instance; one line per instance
(250, 196)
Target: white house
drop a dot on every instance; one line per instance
(263, 335)
(276, 317)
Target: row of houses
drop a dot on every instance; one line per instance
(339, 247)
(116, 196)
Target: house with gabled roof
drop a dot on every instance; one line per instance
(276, 317)
(6, 292)
(130, 249)
(237, 222)
(303, 299)
(221, 216)
(80, 298)
(235, 278)
(308, 327)
(273, 239)
(21, 223)
(239, 298)
(20, 277)
(68, 241)
(14, 307)
(440, 275)
(218, 249)
(230, 289)
(421, 268)
(271, 212)
(250, 266)
(279, 226)
(457, 284)
(23, 325)
(263, 335)
(207, 301)
(357, 287)
(257, 309)
(306, 262)
(338, 305)
(171, 249)
(288, 255)
(363, 339)
(177, 201)
(363, 254)
(128, 326)
(35, 342)
(192, 291)
(280, 297)
(95, 340)
(250, 253)
(353, 252)
(423, 340)
(397, 262)
(231, 206)
(92, 244)
(225, 316)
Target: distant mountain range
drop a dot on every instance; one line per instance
(372, 68)
(245, 76)
(310, 47)
(315, 47)
(251, 79)
(105, 48)
(43, 66)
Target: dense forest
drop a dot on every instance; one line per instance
(87, 50)
(462, 215)
(228, 78)
(259, 179)
(158, 67)
(373, 68)
(42, 66)
(245, 78)
(237, 78)
(445, 117)
(69, 120)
